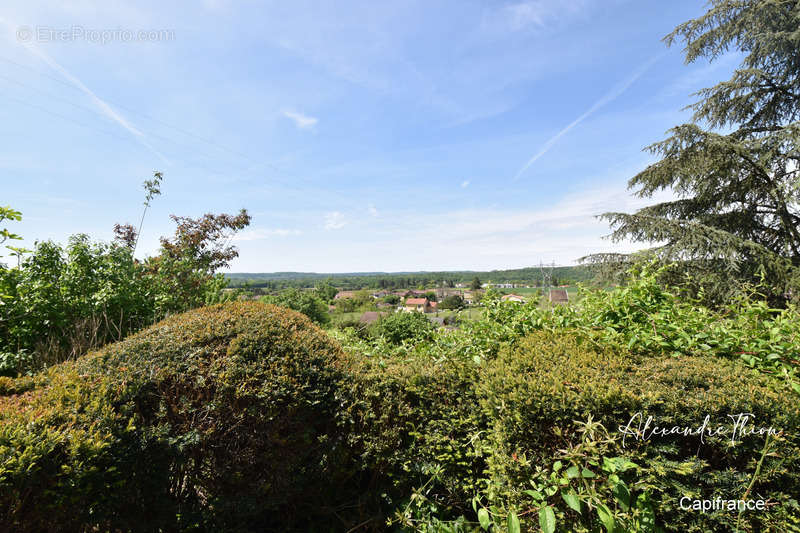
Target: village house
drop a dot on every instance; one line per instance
(512, 298)
(420, 305)
(343, 295)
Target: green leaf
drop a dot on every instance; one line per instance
(535, 494)
(572, 500)
(622, 495)
(606, 518)
(573, 472)
(547, 519)
(483, 518)
(647, 522)
(513, 522)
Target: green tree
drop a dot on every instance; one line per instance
(399, 327)
(62, 301)
(184, 274)
(475, 284)
(734, 168)
(454, 301)
(326, 291)
(307, 302)
(391, 299)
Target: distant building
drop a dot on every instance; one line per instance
(559, 296)
(512, 298)
(369, 317)
(343, 295)
(420, 305)
(470, 297)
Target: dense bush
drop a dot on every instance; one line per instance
(454, 301)
(63, 301)
(442, 431)
(400, 327)
(414, 422)
(307, 302)
(247, 417)
(533, 394)
(222, 418)
(646, 318)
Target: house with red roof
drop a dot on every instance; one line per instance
(420, 305)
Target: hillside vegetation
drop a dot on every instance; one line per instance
(247, 417)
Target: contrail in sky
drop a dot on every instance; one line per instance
(106, 109)
(608, 97)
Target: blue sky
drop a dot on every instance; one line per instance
(361, 136)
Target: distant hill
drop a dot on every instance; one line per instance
(374, 280)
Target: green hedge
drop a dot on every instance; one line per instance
(222, 418)
(439, 431)
(247, 417)
(532, 396)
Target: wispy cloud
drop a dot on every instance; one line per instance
(257, 234)
(334, 220)
(539, 12)
(465, 184)
(300, 120)
(611, 95)
(372, 210)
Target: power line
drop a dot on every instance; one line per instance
(176, 143)
(131, 110)
(70, 119)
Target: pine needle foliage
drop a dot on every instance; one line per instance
(735, 168)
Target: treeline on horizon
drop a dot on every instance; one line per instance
(387, 280)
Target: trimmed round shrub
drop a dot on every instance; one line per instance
(222, 418)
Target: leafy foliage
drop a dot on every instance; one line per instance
(404, 280)
(645, 318)
(453, 301)
(737, 215)
(61, 302)
(256, 420)
(306, 302)
(218, 419)
(7, 213)
(400, 327)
